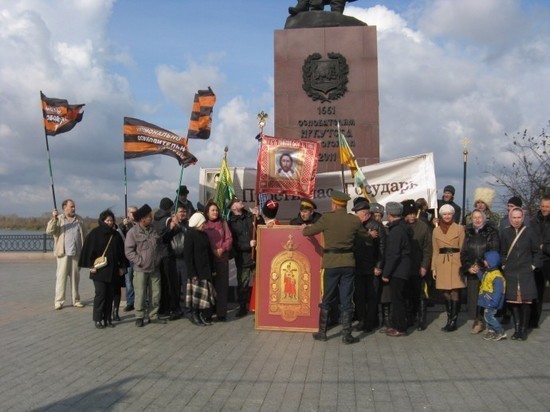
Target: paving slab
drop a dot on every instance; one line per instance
(57, 361)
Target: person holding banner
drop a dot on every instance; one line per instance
(339, 229)
(68, 234)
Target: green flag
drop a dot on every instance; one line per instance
(224, 190)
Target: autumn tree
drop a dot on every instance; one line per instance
(526, 173)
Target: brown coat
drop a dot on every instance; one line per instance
(446, 266)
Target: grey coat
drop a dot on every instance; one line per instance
(518, 265)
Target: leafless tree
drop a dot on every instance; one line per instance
(527, 171)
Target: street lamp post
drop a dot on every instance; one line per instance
(465, 142)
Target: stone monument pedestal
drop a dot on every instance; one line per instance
(325, 77)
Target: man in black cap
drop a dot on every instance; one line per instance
(339, 229)
(448, 199)
(421, 261)
(182, 200)
(140, 248)
(541, 224)
(166, 228)
(369, 261)
(397, 267)
(307, 214)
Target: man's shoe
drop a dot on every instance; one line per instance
(159, 321)
(109, 325)
(477, 328)
(128, 308)
(58, 307)
(99, 325)
(139, 323)
(174, 316)
(489, 336)
(78, 305)
(348, 339)
(320, 336)
(243, 311)
(394, 333)
(499, 336)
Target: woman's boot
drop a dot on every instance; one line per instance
(455, 310)
(524, 322)
(516, 315)
(448, 311)
(195, 318)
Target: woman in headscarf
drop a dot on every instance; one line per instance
(447, 242)
(221, 242)
(521, 254)
(480, 237)
(199, 259)
(104, 241)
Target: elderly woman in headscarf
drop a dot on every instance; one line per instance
(480, 237)
(447, 240)
(521, 254)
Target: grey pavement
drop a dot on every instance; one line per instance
(57, 361)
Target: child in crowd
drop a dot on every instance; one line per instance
(491, 294)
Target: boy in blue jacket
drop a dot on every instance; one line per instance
(491, 294)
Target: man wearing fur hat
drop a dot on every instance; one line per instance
(339, 229)
(483, 201)
(140, 248)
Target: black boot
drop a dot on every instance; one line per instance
(386, 309)
(195, 318)
(243, 311)
(448, 311)
(455, 310)
(303, 5)
(516, 315)
(421, 318)
(115, 315)
(347, 338)
(204, 318)
(323, 322)
(524, 322)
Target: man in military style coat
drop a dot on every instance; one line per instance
(339, 229)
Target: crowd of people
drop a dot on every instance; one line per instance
(382, 264)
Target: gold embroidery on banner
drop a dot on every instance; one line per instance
(290, 283)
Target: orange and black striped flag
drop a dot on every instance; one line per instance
(145, 139)
(59, 115)
(201, 116)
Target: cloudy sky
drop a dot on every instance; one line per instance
(447, 69)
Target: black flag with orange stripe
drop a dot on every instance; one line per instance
(59, 115)
(201, 117)
(146, 139)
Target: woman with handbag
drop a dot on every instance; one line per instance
(521, 254)
(103, 253)
(221, 242)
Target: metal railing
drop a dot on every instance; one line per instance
(26, 243)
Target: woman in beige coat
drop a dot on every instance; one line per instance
(448, 238)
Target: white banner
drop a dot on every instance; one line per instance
(393, 181)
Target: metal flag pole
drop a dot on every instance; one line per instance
(125, 189)
(50, 168)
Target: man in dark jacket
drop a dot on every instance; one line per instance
(541, 224)
(241, 224)
(307, 214)
(167, 228)
(448, 199)
(421, 261)
(397, 266)
(369, 261)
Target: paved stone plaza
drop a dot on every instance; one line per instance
(57, 361)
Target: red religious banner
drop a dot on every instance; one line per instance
(288, 279)
(287, 166)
